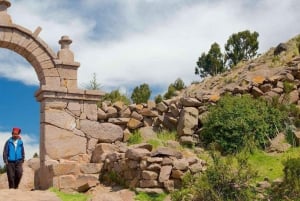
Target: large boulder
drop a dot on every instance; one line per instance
(104, 132)
(188, 121)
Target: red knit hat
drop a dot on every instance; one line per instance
(16, 130)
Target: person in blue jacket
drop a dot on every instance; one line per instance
(13, 157)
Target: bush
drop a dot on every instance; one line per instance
(236, 120)
(224, 180)
(289, 189)
(115, 96)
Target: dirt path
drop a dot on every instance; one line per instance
(25, 195)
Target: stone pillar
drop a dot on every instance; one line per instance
(67, 67)
(5, 19)
(61, 138)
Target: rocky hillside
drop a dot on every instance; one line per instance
(264, 75)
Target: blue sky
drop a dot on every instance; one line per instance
(130, 42)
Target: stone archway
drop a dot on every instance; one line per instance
(62, 104)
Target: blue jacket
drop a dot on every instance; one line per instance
(10, 154)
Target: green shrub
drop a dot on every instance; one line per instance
(158, 99)
(234, 120)
(224, 180)
(289, 189)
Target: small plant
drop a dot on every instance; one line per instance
(141, 196)
(135, 138)
(288, 87)
(70, 197)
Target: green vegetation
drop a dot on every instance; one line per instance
(70, 196)
(141, 196)
(94, 84)
(141, 94)
(176, 86)
(210, 63)
(241, 45)
(158, 99)
(223, 180)
(237, 121)
(162, 138)
(135, 138)
(115, 96)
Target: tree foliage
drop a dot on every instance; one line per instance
(141, 94)
(241, 45)
(173, 87)
(234, 121)
(210, 63)
(94, 84)
(115, 96)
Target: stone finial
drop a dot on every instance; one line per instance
(5, 19)
(65, 54)
(65, 42)
(4, 4)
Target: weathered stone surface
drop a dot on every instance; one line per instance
(141, 146)
(134, 123)
(165, 151)
(162, 107)
(181, 164)
(62, 143)
(65, 168)
(101, 114)
(91, 168)
(59, 118)
(165, 173)
(190, 102)
(148, 183)
(85, 182)
(137, 116)
(149, 175)
(90, 109)
(148, 113)
(177, 174)
(188, 121)
(105, 132)
(111, 112)
(101, 151)
(147, 133)
(137, 154)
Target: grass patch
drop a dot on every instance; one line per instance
(69, 196)
(135, 138)
(162, 138)
(271, 165)
(141, 196)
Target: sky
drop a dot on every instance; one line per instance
(130, 42)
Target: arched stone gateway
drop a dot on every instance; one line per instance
(62, 104)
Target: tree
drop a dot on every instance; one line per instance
(158, 98)
(114, 96)
(241, 45)
(93, 84)
(210, 63)
(141, 94)
(179, 84)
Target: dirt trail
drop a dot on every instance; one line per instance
(25, 195)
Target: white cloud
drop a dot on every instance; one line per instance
(31, 146)
(158, 41)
